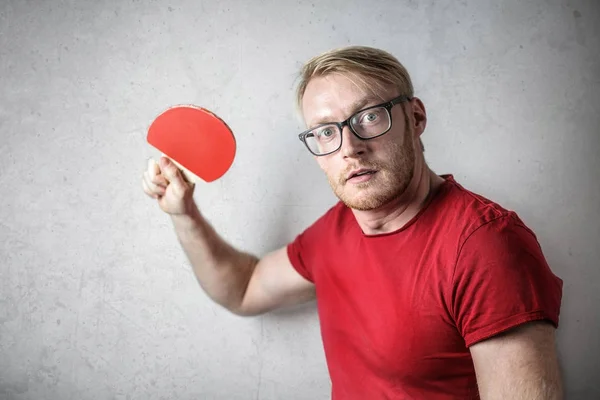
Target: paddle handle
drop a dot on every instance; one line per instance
(187, 175)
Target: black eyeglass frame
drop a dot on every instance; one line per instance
(388, 107)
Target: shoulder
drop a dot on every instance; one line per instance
(465, 212)
(337, 218)
(326, 227)
(305, 252)
(500, 277)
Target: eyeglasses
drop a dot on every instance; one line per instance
(365, 124)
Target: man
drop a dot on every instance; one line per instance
(425, 290)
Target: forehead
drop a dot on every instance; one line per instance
(335, 97)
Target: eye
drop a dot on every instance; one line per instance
(325, 132)
(370, 117)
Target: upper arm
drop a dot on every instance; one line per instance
(506, 301)
(275, 283)
(519, 364)
(502, 280)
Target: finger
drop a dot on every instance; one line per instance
(159, 180)
(187, 178)
(153, 168)
(147, 190)
(152, 187)
(155, 174)
(172, 174)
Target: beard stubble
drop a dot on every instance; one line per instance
(390, 182)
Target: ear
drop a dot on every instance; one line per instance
(419, 116)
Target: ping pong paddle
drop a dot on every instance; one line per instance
(196, 140)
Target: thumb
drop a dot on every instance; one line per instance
(172, 173)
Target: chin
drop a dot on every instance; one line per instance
(367, 198)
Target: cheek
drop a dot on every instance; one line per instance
(382, 151)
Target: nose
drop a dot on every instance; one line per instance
(352, 146)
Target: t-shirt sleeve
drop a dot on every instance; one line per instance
(502, 280)
(306, 253)
(296, 250)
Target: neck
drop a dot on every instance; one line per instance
(397, 213)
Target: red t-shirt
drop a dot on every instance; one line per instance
(398, 311)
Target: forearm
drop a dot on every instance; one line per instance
(522, 363)
(222, 271)
(539, 389)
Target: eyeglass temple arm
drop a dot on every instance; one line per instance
(400, 99)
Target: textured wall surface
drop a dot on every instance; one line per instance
(97, 300)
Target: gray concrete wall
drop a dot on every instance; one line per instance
(96, 298)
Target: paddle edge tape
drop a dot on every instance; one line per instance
(188, 174)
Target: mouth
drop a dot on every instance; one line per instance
(360, 175)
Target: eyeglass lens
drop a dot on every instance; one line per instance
(366, 124)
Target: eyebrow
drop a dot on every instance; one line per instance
(354, 107)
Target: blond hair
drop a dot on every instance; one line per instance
(371, 69)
